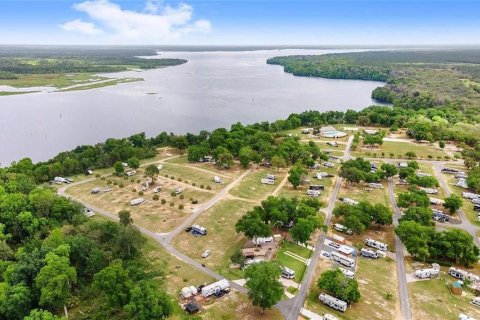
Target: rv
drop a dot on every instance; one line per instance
(321, 175)
(131, 173)
(475, 301)
(160, 167)
(429, 190)
(328, 164)
(137, 201)
(438, 215)
(349, 201)
(333, 302)
(450, 170)
(470, 195)
(199, 229)
(216, 287)
(157, 189)
(422, 174)
(339, 239)
(261, 240)
(59, 180)
(341, 228)
(328, 316)
(402, 164)
(368, 253)
(462, 316)
(375, 185)
(217, 179)
(426, 273)
(476, 201)
(376, 244)
(316, 187)
(313, 193)
(271, 177)
(89, 213)
(348, 273)
(287, 273)
(340, 258)
(436, 202)
(462, 183)
(95, 190)
(267, 181)
(307, 130)
(463, 275)
(178, 191)
(124, 164)
(476, 208)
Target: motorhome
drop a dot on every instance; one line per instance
(426, 273)
(216, 287)
(462, 183)
(470, 195)
(340, 258)
(436, 202)
(267, 181)
(376, 244)
(199, 229)
(463, 275)
(313, 193)
(287, 273)
(368, 253)
(429, 190)
(137, 201)
(321, 175)
(348, 273)
(375, 185)
(341, 228)
(402, 164)
(60, 180)
(349, 201)
(333, 302)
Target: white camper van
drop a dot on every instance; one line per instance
(344, 260)
(333, 302)
(426, 273)
(376, 244)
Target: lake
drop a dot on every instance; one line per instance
(214, 89)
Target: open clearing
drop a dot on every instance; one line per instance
(360, 192)
(376, 279)
(467, 206)
(152, 215)
(285, 258)
(399, 148)
(251, 188)
(222, 239)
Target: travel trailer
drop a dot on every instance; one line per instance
(376, 244)
(333, 302)
(340, 258)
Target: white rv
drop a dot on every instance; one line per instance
(262, 240)
(333, 302)
(376, 244)
(216, 287)
(313, 193)
(375, 185)
(341, 228)
(349, 201)
(426, 273)
(429, 190)
(217, 179)
(340, 258)
(348, 273)
(199, 229)
(267, 181)
(95, 190)
(137, 201)
(436, 202)
(463, 275)
(462, 316)
(287, 273)
(131, 173)
(476, 301)
(368, 253)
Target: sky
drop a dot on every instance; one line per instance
(240, 22)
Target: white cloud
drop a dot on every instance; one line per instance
(81, 27)
(157, 22)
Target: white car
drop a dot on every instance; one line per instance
(206, 254)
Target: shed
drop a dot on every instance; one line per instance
(457, 288)
(191, 308)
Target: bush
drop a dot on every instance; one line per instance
(138, 181)
(383, 154)
(173, 194)
(155, 197)
(132, 180)
(121, 185)
(115, 183)
(194, 184)
(194, 201)
(172, 177)
(166, 176)
(140, 193)
(164, 201)
(392, 154)
(209, 188)
(202, 186)
(181, 207)
(430, 156)
(109, 181)
(172, 204)
(102, 178)
(181, 197)
(134, 190)
(125, 178)
(97, 175)
(179, 179)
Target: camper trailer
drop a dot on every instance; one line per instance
(287, 273)
(348, 273)
(137, 201)
(470, 195)
(333, 302)
(316, 187)
(328, 164)
(313, 193)
(463, 275)
(426, 273)
(332, 144)
(436, 202)
(217, 179)
(216, 287)
(375, 185)
(462, 316)
(368, 253)
(349, 201)
(341, 228)
(131, 173)
(261, 240)
(429, 190)
(476, 301)
(95, 190)
(199, 229)
(271, 177)
(376, 244)
(339, 239)
(450, 170)
(340, 258)
(267, 181)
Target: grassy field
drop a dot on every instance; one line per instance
(288, 261)
(467, 206)
(399, 148)
(12, 93)
(153, 215)
(51, 80)
(222, 239)
(251, 188)
(233, 171)
(377, 280)
(89, 86)
(360, 192)
(433, 300)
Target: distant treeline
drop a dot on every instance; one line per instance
(415, 79)
(262, 141)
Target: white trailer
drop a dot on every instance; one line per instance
(287, 273)
(95, 190)
(436, 202)
(429, 190)
(131, 173)
(199, 229)
(462, 316)
(376, 244)
(426, 273)
(368, 253)
(344, 260)
(375, 185)
(349, 201)
(217, 179)
(262, 240)
(267, 181)
(475, 301)
(313, 193)
(328, 316)
(216, 287)
(470, 195)
(137, 201)
(348, 273)
(463, 275)
(341, 228)
(333, 302)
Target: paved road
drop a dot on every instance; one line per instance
(163, 239)
(401, 273)
(291, 308)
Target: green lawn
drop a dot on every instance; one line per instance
(193, 176)
(54, 80)
(467, 206)
(287, 261)
(251, 187)
(399, 149)
(432, 300)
